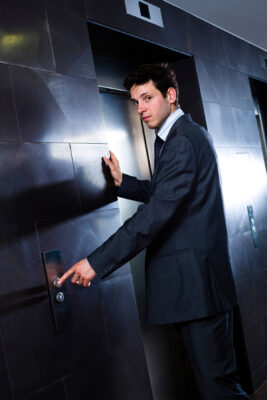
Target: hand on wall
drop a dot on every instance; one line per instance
(114, 167)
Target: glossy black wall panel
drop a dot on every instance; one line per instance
(103, 12)
(8, 126)
(185, 72)
(231, 126)
(124, 369)
(36, 356)
(54, 392)
(244, 56)
(223, 85)
(78, 237)
(37, 181)
(21, 265)
(73, 7)
(222, 124)
(70, 41)
(25, 34)
(121, 316)
(256, 344)
(94, 183)
(51, 95)
(189, 93)
(6, 392)
(206, 40)
(248, 129)
(244, 254)
(252, 297)
(56, 108)
(173, 34)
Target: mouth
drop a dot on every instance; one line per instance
(145, 119)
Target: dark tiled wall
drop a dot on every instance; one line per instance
(230, 118)
(54, 194)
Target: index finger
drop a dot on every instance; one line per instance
(66, 275)
(113, 158)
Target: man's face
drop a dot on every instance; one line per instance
(152, 107)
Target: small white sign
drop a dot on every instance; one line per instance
(144, 10)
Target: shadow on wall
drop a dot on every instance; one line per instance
(55, 200)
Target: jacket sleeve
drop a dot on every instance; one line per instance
(172, 182)
(134, 189)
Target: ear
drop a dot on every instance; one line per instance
(171, 93)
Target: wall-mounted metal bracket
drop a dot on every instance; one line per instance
(58, 294)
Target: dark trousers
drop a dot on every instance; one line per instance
(209, 345)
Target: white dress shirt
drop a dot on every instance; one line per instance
(168, 123)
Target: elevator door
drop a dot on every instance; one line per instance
(132, 143)
(127, 138)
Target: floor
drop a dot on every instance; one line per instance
(261, 393)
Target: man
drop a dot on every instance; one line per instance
(188, 274)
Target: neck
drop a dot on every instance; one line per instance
(173, 108)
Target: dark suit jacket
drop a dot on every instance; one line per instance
(182, 224)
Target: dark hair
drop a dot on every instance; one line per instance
(162, 76)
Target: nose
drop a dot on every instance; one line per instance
(140, 108)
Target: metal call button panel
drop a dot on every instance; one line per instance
(58, 294)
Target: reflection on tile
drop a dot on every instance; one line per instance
(248, 129)
(37, 181)
(25, 35)
(56, 108)
(223, 85)
(230, 126)
(72, 51)
(243, 179)
(120, 309)
(222, 124)
(95, 185)
(54, 392)
(8, 127)
(124, 373)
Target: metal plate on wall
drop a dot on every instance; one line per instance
(145, 11)
(57, 293)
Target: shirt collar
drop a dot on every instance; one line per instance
(168, 123)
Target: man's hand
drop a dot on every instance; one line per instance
(83, 274)
(114, 167)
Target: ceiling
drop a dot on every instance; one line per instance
(246, 19)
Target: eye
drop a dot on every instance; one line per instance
(135, 102)
(147, 99)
